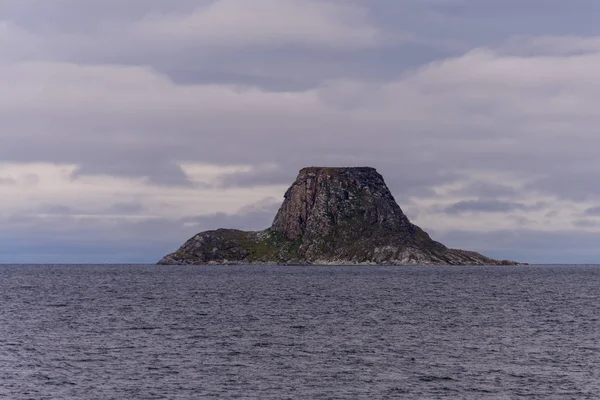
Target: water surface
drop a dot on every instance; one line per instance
(156, 332)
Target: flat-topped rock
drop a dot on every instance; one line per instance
(342, 216)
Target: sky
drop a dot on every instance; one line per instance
(129, 126)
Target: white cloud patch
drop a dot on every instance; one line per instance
(238, 23)
(100, 197)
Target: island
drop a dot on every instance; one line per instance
(329, 216)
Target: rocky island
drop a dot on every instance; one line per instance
(329, 216)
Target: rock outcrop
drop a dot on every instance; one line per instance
(330, 216)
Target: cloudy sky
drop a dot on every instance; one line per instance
(128, 126)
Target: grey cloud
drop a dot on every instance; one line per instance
(570, 185)
(30, 239)
(403, 185)
(268, 204)
(161, 123)
(405, 181)
(19, 219)
(7, 181)
(421, 105)
(553, 45)
(593, 211)
(31, 179)
(416, 32)
(528, 245)
(552, 214)
(56, 209)
(157, 171)
(257, 176)
(523, 221)
(559, 17)
(133, 207)
(59, 210)
(292, 138)
(487, 189)
(100, 32)
(253, 217)
(489, 205)
(586, 223)
(483, 206)
(74, 16)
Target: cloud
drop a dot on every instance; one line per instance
(64, 237)
(157, 172)
(270, 174)
(554, 45)
(132, 122)
(133, 207)
(552, 214)
(593, 211)
(203, 38)
(146, 113)
(490, 113)
(527, 245)
(484, 206)
(60, 199)
(10, 32)
(7, 181)
(240, 23)
(118, 208)
(487, 189)
(252, 217)
(574, 185)
(56, 209)
(277, 44)
(586, 223)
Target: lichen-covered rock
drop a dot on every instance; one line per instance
(343, 216)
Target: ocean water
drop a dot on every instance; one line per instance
(156, 332)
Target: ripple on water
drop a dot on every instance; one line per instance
(153, 332)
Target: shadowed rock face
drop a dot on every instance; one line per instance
(329, 216)
(347, 201)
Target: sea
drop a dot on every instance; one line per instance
(299, 332)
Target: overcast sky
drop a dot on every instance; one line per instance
(128, 126)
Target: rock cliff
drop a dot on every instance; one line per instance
(330, 216)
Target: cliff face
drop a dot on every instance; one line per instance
(329, 216)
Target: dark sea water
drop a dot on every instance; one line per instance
(155, 332)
